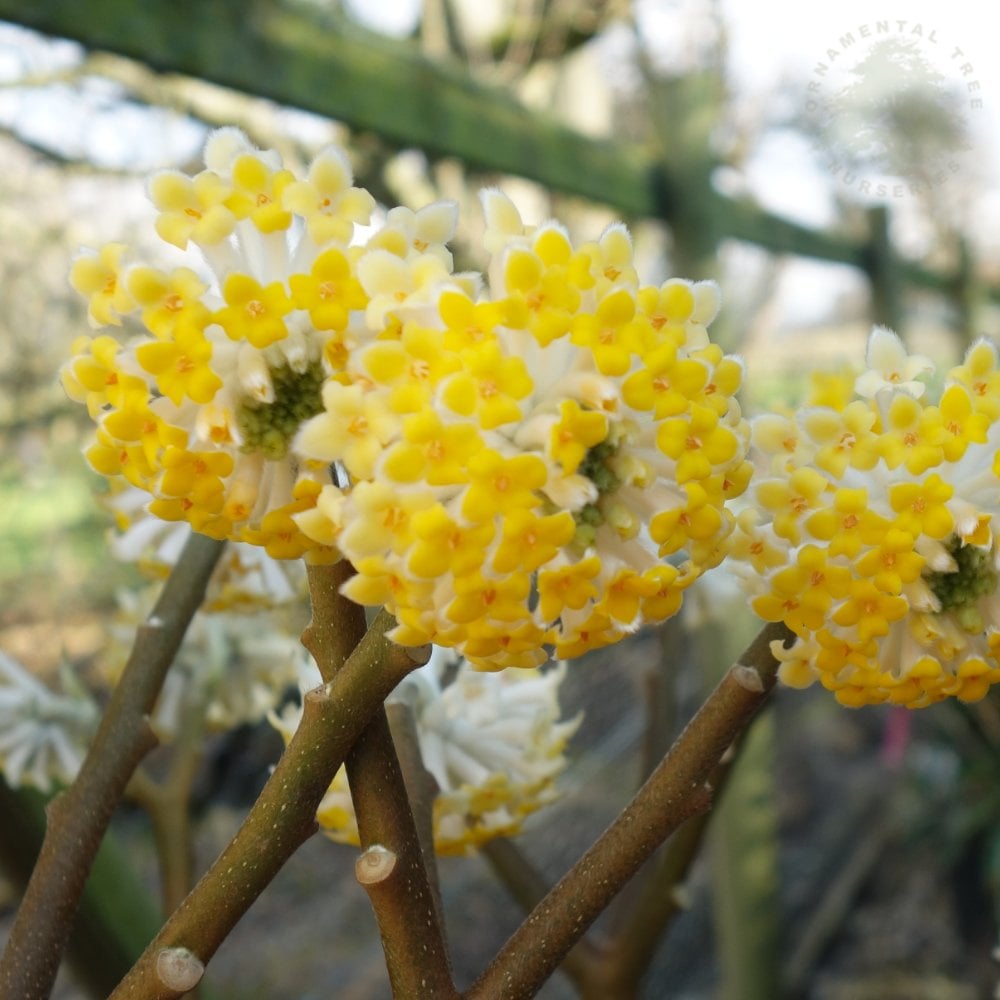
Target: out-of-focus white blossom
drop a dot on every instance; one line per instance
(493, 742)
(234, 667)
(43, 734)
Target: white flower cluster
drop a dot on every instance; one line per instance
(493, 743)
(43, 735)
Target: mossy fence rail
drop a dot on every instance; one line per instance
(298, 56)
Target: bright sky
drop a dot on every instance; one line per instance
(788, 41)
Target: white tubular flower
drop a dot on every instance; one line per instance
(493, 742)
(890, 367)
(43, 735)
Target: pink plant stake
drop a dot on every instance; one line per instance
(896, 737)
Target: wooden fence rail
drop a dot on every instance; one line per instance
(337, 69)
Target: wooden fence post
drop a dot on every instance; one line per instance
(966, 295)
(883, 273)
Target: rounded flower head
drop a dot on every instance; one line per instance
(200, 408)
(541, 463)
(875, 539)
(492, 742)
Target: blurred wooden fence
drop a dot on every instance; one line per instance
(323, 63)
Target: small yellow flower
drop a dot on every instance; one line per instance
(253, 312)
(191, 208)
(488, 385)
(353, 429)
(577, 431)
(257, 192)
(330, 292)
(326, 200)
(98, 277)
(168, 300)
(182, 365)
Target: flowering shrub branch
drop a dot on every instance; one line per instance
(523, 464)
(284, 815)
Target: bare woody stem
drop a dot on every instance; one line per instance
(283, 817)
(631, 949)
(403, 900)
(674, 792)
(402, 897)
(78, 818)
(584, 962)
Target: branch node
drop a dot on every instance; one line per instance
(179, 969)
(375, 865)
(748, 678)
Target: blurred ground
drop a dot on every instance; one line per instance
(915, 923)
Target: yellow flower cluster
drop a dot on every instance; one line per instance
(199, 410)
(540, 460)
(545, 464)
(873, 535)
(493, 742)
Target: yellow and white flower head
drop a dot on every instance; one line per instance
(873, 535)
(200, 407)
(537, 462)
(493, 743)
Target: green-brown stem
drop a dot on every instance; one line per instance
(421, 788)
(675, 792)
(79, 816)
(415, 953)
(337, 625)
(404, 902)
(528, 886)
(658, 902)
(283, 817)
(168, 806)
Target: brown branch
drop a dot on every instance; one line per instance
(421, 788)
(167, 803)
(337, 625)
(675, 792)
(402, 895)
(412, 938)
(529, 886)
(283, 817)
(78, 817)
(661, 898)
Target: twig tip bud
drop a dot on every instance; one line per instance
(374, 865)
(748, 678)
(179, 969)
